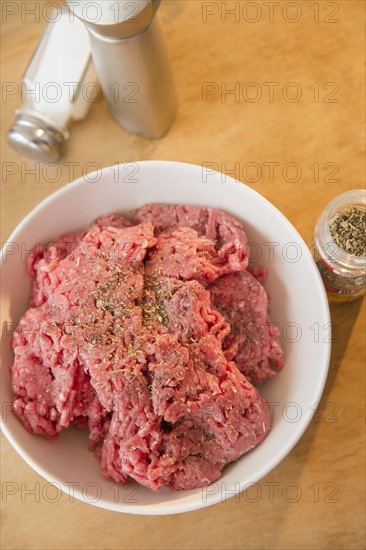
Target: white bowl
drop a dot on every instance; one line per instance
(298, 304)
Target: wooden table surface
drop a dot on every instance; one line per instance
(293, 129)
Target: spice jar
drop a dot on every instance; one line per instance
(339, 246)
(58, 87)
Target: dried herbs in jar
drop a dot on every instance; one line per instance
(339, 246)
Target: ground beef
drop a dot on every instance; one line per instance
(254, 341)
(129, 333)
(50, 376)
(216, 228)
(44, 258)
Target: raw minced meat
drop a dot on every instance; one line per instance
(130, 333)
(217, 235)
(254, 341)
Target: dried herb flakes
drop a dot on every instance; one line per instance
(348, 230)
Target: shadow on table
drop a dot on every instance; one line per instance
(343, 318)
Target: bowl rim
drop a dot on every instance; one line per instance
(175, 508)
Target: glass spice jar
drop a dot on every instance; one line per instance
(339, 246)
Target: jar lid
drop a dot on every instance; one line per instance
(35, 138)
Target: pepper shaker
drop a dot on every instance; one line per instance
(132, 61)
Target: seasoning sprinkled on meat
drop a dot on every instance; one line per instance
(45, 258)
(55, 342)
(135, 332)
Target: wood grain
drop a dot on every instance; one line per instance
(310, 133)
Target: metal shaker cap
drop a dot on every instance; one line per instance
(35, 138)
(115, 19)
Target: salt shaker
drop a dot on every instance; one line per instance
(58, 87)
(339, 246)
(132, 61)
